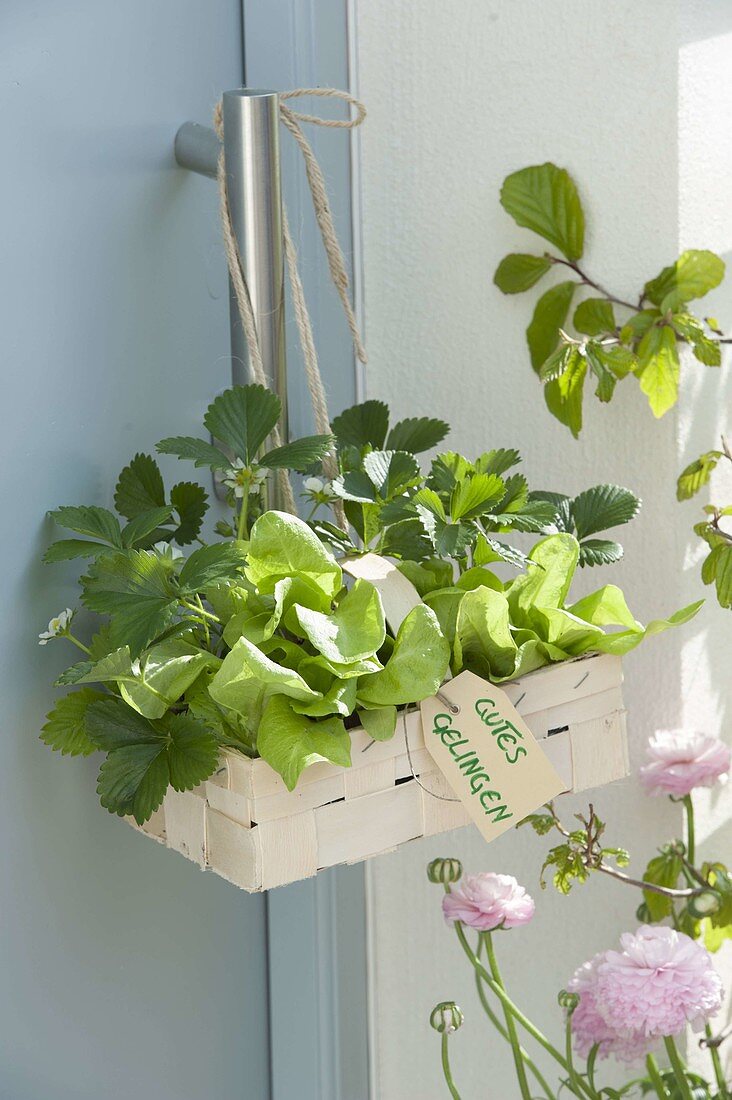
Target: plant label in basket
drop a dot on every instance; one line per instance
(487, 753)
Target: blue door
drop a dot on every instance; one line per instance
(125, 971)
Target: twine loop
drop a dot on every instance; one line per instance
(291, 119)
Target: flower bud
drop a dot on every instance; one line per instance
(444, 871)
(568, 1000)
(446, 1016)
(705, 904)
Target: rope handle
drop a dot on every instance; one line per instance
(291, 119)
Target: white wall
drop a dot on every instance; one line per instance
(633, 99)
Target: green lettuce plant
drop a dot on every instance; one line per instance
(610, 337)
(254, 646)
(502, 630)
(717, 566)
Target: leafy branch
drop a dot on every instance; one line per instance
(717, 566)
(643, 341)
(583, 853)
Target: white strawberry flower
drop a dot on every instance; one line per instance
(242, 479)
(318, 490)
(233, 477)
(56, 627)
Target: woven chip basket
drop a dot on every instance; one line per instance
(244, 825)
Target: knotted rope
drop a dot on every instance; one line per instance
(336, 263)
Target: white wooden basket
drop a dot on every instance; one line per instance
(245, 825)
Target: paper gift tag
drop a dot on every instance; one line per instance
(487, 753)
(398, 595)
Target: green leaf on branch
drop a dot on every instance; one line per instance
(600, 552)
(191, 504)
(407, 539)
(694, 274)
(706, 349)
(544, 199)
(563, 396)
(298, 455)
(242, 418)
(291, 742)
(65, 729)
(198, 451)
(67, 549)
(475, 496)
(417, 434)
(167, 671)
(221, 561)
(663, 870)
(638, 325)
(721, 556)
(97, 523)
(391, 472)
(357, 486)
(363, 425)
(697, 474)
(658, 368)
(144, 523)
(135, 589)
(601, 507)
(497, 461)
(609, 364)
(542, 824)
(606, 379)
(594, 317)
(144, 757)
(569, 866)
(139, 487)
(550, 314)
(519, 272)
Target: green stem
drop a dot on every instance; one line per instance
(690, 830)
(242, 531)
(446, 1068)
(510, 1022)
(77, 643)
(574, 1078)
(508, 1003)
(678, 1067)
(531, 1065)
(722, 1090)
(200, 610)
(656, 1079)
(207, 632)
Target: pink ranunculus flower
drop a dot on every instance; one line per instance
(658, 983)
(588, 1026)
(488, 901)
(680, 760)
